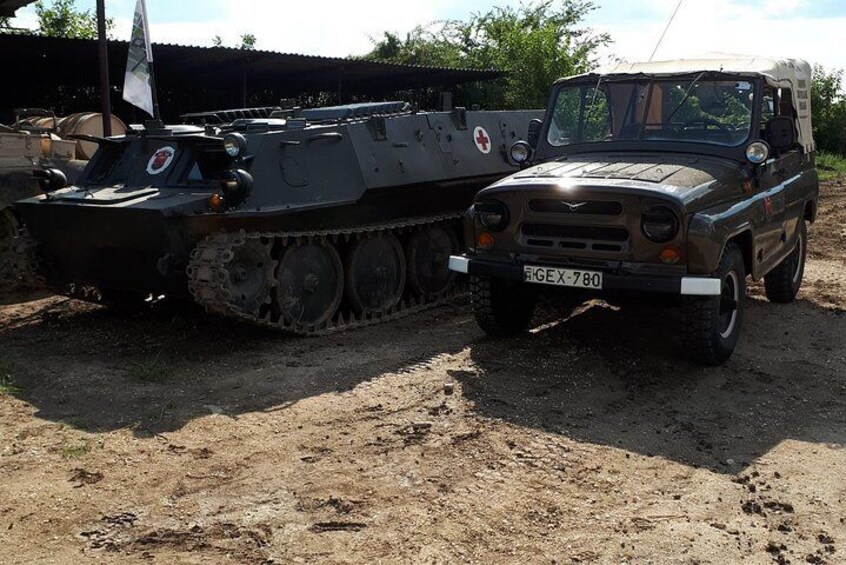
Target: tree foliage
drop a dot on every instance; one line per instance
(534, 44)
(248, 41)
(61, 18)
(828, 104)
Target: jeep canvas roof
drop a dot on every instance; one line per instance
(794, 74)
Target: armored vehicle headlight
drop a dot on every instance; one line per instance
(659, 224)
(235, 144)
(521, 152)
(757, 152)
(51, 180)
(492, 214)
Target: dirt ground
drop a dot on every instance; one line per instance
(174, 437)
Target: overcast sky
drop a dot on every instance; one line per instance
(808, 29)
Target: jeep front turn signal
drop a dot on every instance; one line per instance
(485, 241)
(671, 255)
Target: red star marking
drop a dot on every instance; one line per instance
(483, 140)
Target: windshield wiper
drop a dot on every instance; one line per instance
(685, 99)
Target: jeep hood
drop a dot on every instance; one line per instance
(694, 181)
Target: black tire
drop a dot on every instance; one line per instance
(712, 324)
(502, 308)
(783, 283)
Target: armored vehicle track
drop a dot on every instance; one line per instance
(319, 282)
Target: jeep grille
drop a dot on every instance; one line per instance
(595, 207)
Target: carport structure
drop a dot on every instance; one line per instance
(61, 73)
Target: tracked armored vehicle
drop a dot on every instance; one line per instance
(31, 144)
(303, 220)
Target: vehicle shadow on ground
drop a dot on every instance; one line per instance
(99, 371)
(618, 378)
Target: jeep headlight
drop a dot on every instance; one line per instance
(758, 152)
(235, 145)
(659, 224)
(492, 214)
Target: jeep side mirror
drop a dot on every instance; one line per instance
(534, 132)
(781, 134)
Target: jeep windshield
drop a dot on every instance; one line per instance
(689, 110)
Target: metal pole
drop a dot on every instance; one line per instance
(105, 89)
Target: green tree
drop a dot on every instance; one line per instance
(534, 44)
(61, 18)
(248, 41)
(828, 104)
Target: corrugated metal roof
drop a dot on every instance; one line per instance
(74, 61)
(8, 7)
(44, 70)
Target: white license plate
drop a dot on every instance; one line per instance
(573, 278)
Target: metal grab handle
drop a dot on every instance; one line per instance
(326, 136)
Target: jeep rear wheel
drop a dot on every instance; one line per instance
(502, 308)
(713, 323)
(783, 283)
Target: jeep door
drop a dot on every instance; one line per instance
(784, 182)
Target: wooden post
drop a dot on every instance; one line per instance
(105, 88)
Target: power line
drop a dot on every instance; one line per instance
(666, 29)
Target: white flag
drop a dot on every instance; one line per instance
(137, 86)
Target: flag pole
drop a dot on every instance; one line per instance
(157, 117)
(105, 88)
(156, 113)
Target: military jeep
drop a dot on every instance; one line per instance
(678, 178)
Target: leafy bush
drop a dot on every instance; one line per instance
(829, 108)
(535, 44)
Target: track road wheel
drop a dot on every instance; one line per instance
(712, 324)
(428, 253)
(250, 276)
(310, 284)
(375, 274)
(502, 308)
(783, 283)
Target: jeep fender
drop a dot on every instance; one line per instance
(709, 233)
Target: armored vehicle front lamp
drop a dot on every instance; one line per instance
(492, 214)
(758, 152)
(521, 152)
(235, 145)
(659, 224)
(51, 180)
(237, 186)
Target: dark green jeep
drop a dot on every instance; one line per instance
(679, 178)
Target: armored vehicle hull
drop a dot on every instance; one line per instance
(306, 221)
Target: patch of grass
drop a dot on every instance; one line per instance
(75, 451)
(831, 166)
(7, 383)
(155, 370)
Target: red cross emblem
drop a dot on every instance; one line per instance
(482, 140)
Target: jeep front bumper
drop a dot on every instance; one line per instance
(681, 285)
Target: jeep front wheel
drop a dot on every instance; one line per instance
(782, 283)
(502, 308)
(713, 323)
